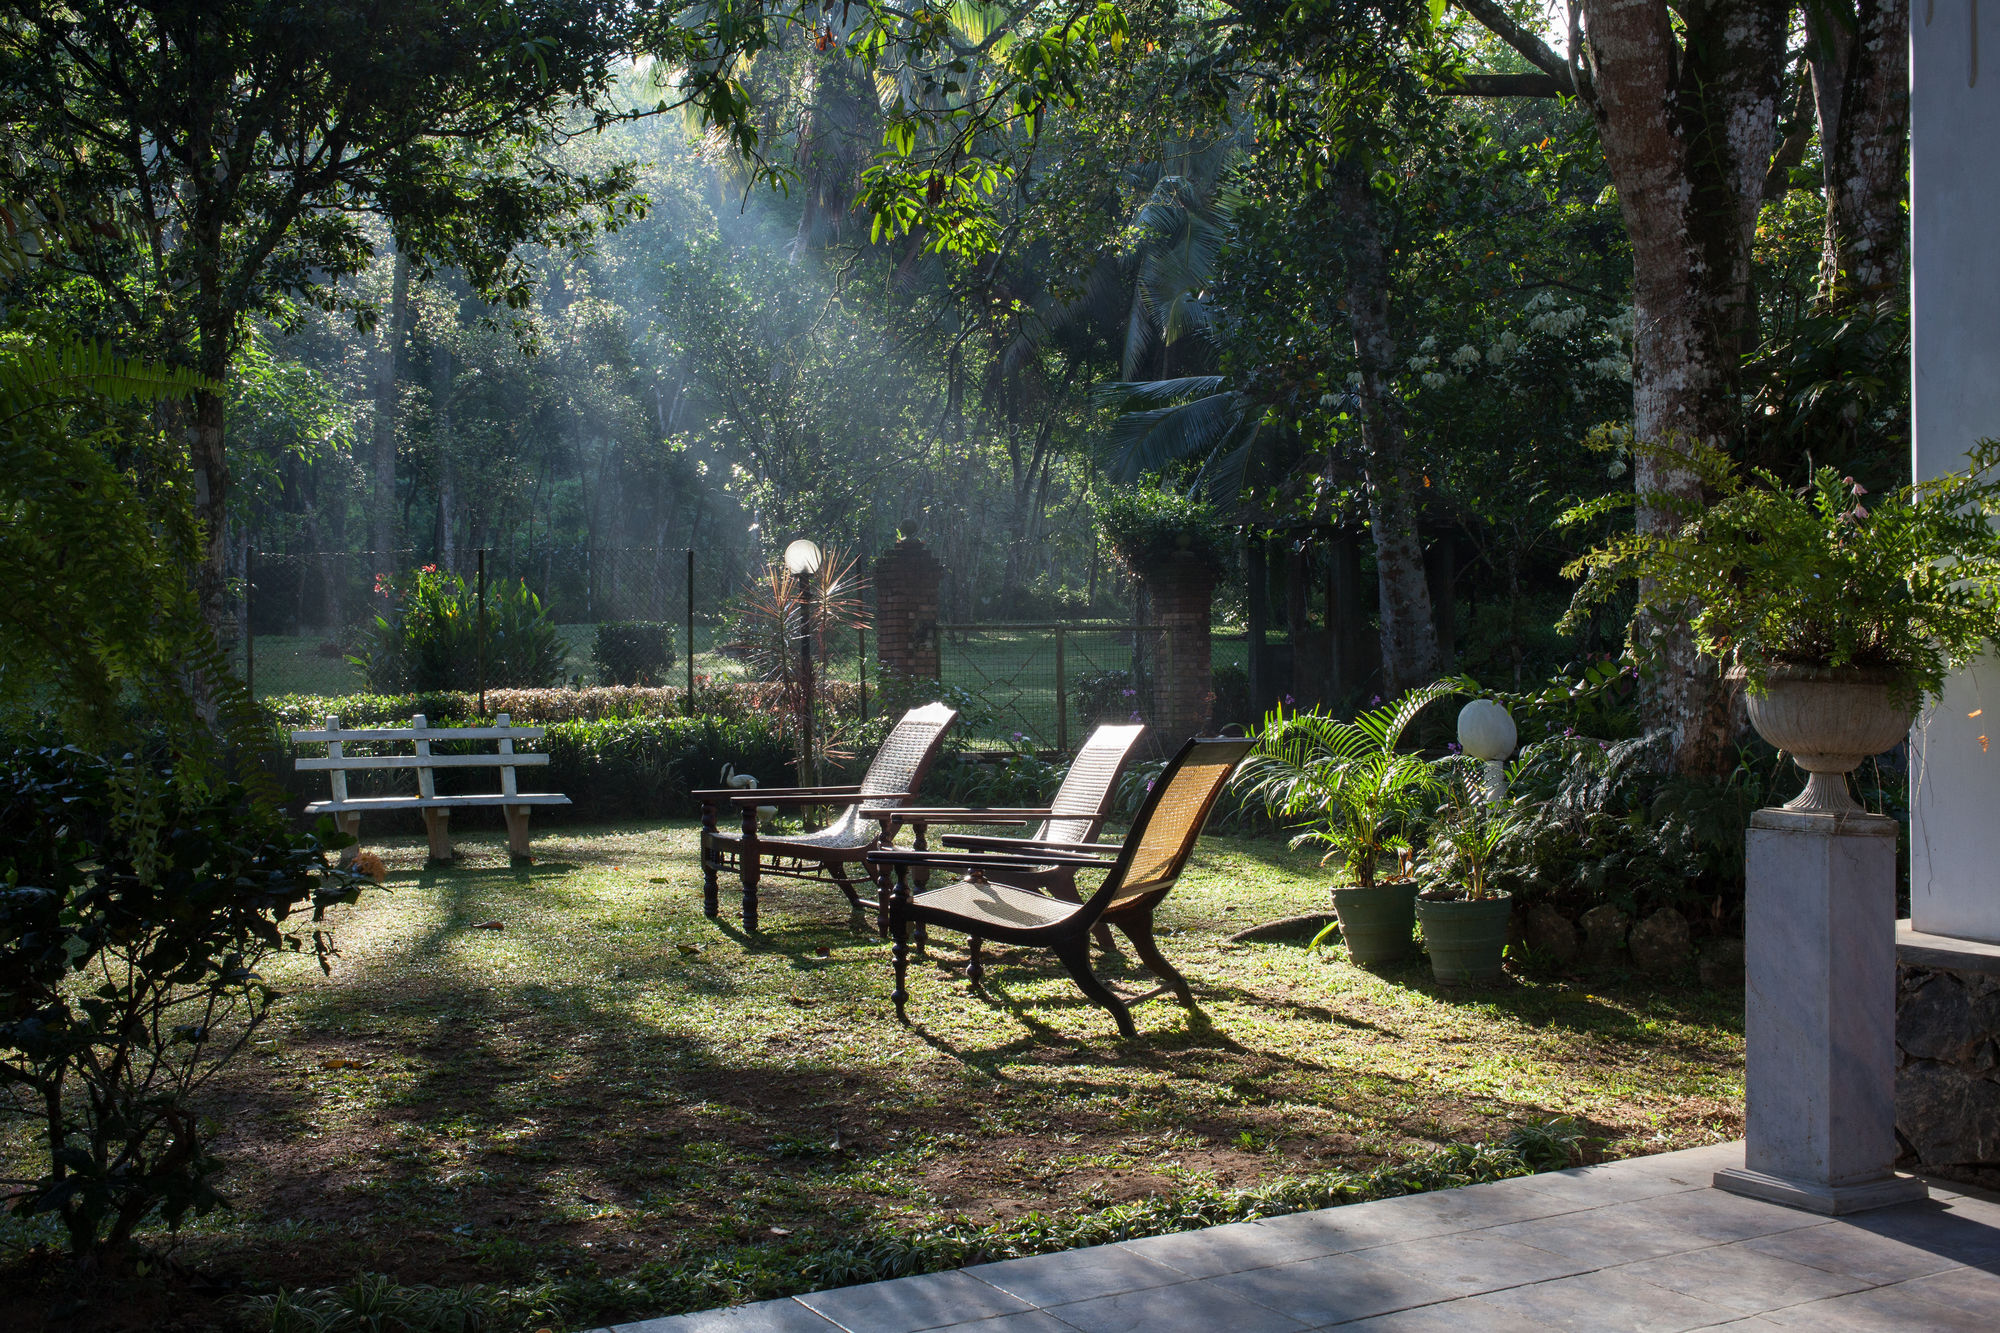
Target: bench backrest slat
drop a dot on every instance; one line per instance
(337, 763)
(426, 781)
(508, 786)
(333, 752)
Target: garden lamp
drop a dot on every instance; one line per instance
(803, 559)
(1486, 731)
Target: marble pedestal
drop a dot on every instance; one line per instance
(1820, 1014)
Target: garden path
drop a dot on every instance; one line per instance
(1640, 1244)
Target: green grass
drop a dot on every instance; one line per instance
(609, 1088)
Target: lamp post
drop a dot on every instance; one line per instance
(803, 558)
(1486, 731)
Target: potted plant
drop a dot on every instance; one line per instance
(1462, 910)
(1840, 612)
(1349, 788)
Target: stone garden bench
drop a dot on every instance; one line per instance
(347, 810)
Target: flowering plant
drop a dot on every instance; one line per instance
(1821, 575)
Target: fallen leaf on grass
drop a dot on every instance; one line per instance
(801, 1001)
(658, 879)
(689, 949)
(780, 1231)
(341, 1062)
(824, 951)
(491, 925)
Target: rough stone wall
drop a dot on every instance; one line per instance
(1181, 592)
(1948, 1066)
(907, 576)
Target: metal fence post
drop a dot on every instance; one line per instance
(1062, 698)
(482, 631)
(861, 666)
(688, 700)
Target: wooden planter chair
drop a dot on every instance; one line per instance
(831, 855)
(1070, 822)
(1138, 878)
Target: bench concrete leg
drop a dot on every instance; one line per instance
(350, 824)
(437, 823)
(517, 828)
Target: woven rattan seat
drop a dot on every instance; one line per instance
(1144, 870)
(1071, 820)
(831, 855)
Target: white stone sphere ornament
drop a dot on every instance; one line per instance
(1486, 731)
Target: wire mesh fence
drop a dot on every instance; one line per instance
(1043, 687)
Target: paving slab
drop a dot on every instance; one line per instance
(1644, 1245)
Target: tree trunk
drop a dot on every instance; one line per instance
(1688, 138)
(1861, 79)
(383, 504)
(1409, 638)
(210, 465)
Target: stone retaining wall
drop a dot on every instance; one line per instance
(1947, 1051)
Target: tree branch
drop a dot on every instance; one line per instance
(1532, 49)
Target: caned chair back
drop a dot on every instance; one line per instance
(1162, 837)
(1084, 798)
(899, 766)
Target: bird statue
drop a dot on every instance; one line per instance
(746, 782)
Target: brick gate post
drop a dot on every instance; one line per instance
(906, 612)
(1180, 590)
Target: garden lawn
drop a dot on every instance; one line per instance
(560, 1073)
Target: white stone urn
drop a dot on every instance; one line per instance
(1829, 719)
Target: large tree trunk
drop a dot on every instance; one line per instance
(1409, 637)
(1861, 94)
(1688, 136)
(382, 507)
(210, 465)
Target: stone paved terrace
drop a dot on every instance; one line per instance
(1641, 1244)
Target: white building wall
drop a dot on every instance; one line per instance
(1955, 304)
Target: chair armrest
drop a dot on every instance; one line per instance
(730, 793)
(810, 796)
(980, 842)
(896, 856)
(945, 814)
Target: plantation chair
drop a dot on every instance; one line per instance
(1070, 822)
(831, 855)
(1138, 878)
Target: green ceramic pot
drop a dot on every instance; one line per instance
(1379, 923)
(1465, 937)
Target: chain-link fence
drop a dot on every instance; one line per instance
(304, 616)
(1043, 687)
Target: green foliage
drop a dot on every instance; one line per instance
(877, 1251)
(634, 652)
(291, 712)
(1230, 685)
(1469, 836)
(429, 639)
(1346, 784)
(134, 911)
(1148, 526)
(1011, 779)
(96, 536)
(626, 767)
(1766, 574)
(1103, 696)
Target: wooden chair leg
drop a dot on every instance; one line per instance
(1139, 930)
(899, 952)
(437, 823)
(975, 971)
(1066, 890)
(711, 887)
(1075, 956)
(350, 824)
(747, 857)
(517, 829)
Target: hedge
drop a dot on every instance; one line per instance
(541, 707)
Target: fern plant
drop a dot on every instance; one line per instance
(1348, 786)
(1824, 575)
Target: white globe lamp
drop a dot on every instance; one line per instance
(1486, 731)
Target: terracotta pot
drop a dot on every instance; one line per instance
(1829, 719)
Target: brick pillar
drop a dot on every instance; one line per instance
(1180, 591)
(906, 612)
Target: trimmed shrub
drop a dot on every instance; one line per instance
(541, 707)
(1103, 696)
(634, 652)
(644, 767)
(1231, 690)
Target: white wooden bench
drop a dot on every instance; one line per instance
(347, 810)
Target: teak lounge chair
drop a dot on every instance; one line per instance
(1141, 875)
(1070, 822)
(832, 855)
